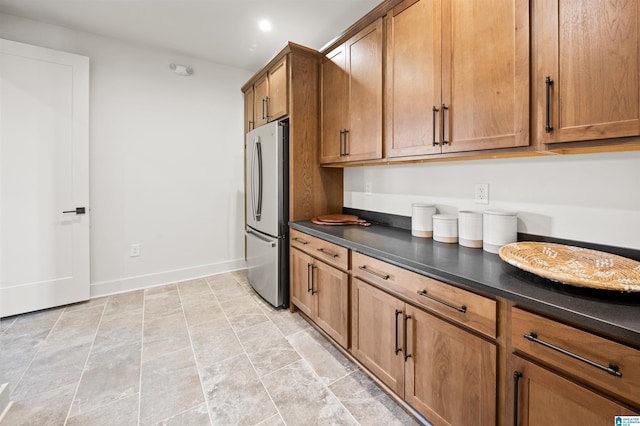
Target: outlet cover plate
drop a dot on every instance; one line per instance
(135, 250)
(481, 195)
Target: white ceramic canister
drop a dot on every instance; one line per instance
(445, 228)
(470, 229)
(500, 227)
(421, 220)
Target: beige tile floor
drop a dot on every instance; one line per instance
(200, 352)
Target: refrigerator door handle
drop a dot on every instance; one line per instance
(260, 237)
(258, 213)
(253, 182)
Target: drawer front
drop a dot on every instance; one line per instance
(578, 353)
(466, 308)
(320, 249)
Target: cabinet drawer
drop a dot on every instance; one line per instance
(320, 249)
(578, 353)
(466, 308)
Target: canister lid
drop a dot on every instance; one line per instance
(501, 212)
(447, 217)
(469, 213)
(422, 205)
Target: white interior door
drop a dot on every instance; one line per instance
(44, 171)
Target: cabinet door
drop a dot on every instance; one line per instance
(590, 50)
(278, 93)
(260, 93)
(300, 281)
(331, 290)
(334, 105)
(248, 110)
(413, 79)
(451, 374)
(547, 399)
(363, 140)
(377, 330)
(485, 49)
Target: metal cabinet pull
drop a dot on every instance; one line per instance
(462, 308)
(364, 268)
(516, 379)
(263, 117)
(435, 112)
(341, 143)
(313, 280)
(398, 349)
(548, 128)
(327, 252)
(407, 355)
(444, 128)
(612, 369)
(300, 240)
(267, 99)
(309, 278)
(77, 210)
(346, 140)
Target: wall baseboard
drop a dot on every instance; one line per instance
(106, 288)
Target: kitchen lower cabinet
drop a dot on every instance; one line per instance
(318, 289)
(445, 372)
(544, 398)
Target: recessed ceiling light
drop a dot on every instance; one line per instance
(264, 25)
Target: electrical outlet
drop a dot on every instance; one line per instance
(367, 188)
(135, 250)
(482, 193)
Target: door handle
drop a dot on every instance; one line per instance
(407, 355)
(259, 208)
(444, 127)
(78, 210)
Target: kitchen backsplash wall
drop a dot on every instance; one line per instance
(166, 159)
(588, 197)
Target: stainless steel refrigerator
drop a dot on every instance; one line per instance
(267, 211)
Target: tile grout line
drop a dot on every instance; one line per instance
(144, 303)
(86, 361)
(193, 351)
(245, 351)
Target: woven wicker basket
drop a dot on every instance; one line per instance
(574, 265)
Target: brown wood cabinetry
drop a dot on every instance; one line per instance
(436, 366)
(351, 96)
(544, 398)
(582, 379)
(587, 79)
(290, 81)
(319, 289)
(457, 77)
(270, 94)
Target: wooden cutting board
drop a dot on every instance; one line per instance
(339, 219)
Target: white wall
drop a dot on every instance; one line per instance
(166, 159)
(590, 197)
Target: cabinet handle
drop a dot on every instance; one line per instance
(398, 312)
(435, 112)
(300, 240)
(267, 99)
(313, 280)
(612, 369)
(444, 129)
(341, 142)
(346, 141)
(462, 308)
(263, 117)
(407, 355)
(327, 252)
(384, 277)
(309, 277)
(548, 128)
(516, 379)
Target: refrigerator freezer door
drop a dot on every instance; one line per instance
(264, 269)
(265, 191)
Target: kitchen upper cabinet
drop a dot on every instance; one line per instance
(351, 97)
(270, 94)
(588, 73)
(544, 398)
(457, 76)
(249, 122)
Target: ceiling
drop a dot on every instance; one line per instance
(225, 32)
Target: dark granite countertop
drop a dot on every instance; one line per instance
(612, 314)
